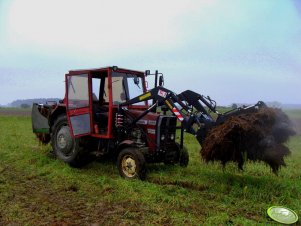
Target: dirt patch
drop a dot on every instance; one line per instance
(256, 136)
(15, 112)
(36, 201)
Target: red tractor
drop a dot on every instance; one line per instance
(110, 111)
(91, 118)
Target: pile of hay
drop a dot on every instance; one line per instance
(256, 136)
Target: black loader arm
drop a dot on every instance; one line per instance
(160, 96)
(193, 99)
(240, 110)
(190, 108)
(187, 107)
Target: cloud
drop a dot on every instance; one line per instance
(221, 47)
(95, 26)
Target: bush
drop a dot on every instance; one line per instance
(25, 106)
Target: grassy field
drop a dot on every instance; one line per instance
(37, 189)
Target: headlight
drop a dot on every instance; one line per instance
(163, 137)
(172, 136)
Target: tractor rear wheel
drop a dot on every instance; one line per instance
(64, 146)
(131, 163)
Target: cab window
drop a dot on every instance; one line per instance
(125, 87)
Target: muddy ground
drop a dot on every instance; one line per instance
(44, 203)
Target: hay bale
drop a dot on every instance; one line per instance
(256, 136)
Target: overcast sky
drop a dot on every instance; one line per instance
(234, 51)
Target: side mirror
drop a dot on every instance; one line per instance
(136, 80)
(161, 80)
(147, 72)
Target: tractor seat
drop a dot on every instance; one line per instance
(100, 112)
(100, 115)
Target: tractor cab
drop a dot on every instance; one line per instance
(93, 96)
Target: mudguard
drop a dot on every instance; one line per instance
(39, 117)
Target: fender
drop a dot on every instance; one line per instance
(125, 143)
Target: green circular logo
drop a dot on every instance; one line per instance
(282, 215)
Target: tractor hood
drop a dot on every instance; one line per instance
(150, 119)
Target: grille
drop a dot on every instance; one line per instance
(166, 128)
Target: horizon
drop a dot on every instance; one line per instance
(271, 104)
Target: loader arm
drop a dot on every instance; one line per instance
(186, 107)
(162, 96)
(189, 110)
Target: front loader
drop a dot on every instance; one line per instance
(255, 132)
(191, 109)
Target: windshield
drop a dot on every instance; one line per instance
(126, 87)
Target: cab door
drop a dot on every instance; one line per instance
(78, 104)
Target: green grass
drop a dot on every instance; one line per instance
(37, 189)
(294, 113)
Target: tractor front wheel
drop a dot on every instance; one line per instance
(131, 163)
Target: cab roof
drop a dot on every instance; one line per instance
(113, 68)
